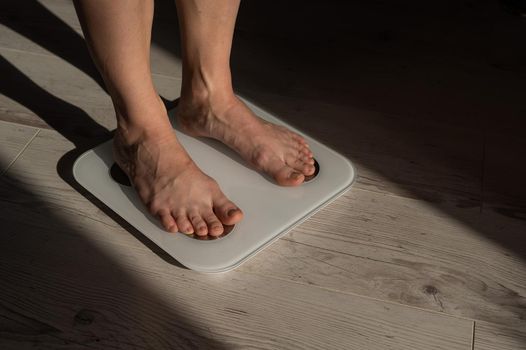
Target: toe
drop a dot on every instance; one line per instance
(183, 223)
(303, 167)
(288, 176)
(298, 138)
(309, 169)
(283, 173)
(307, 160)
(168, 222)
(303, 143)
(302, 164)
(215, 228)
(227, 212)
(307, 152)
(198, 223)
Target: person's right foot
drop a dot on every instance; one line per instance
(170, 184)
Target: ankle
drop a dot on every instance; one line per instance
(141, 120)
(205, 93)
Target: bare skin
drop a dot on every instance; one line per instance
(166, 179)
(170, 183)
(270, 148)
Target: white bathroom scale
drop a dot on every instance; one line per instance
(270, 210)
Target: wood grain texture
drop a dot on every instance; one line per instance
(13, 139)
(405, 251)
(387, 247)
(74, 302)
(59, 96)
(72, 280)
(490, 336)
(435, 220)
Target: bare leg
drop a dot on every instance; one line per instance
(165, 177)
(208, 106)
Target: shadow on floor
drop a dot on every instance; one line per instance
(384, 83)
(112, 308)
(61, 290)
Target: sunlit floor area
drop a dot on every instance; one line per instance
(426, 251)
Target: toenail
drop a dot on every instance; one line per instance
(217, 229)
(232, 212)
(295, 175)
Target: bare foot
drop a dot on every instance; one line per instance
(271, 148)
(169, 183)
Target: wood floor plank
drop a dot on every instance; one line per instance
(421, 227)
(388, 247)
(407, 251)
(13, 139)
(70, 281)
(61, 96)
(60, 300)
(490, 336)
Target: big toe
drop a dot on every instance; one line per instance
(283, 174)
(227, 212)
(288, 176)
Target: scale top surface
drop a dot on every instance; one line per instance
(269, 210)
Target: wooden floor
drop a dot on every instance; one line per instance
(427, 251)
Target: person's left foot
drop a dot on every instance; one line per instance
(271, 148)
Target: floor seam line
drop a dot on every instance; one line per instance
(473, 335)
(20, 153)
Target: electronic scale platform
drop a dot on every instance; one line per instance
(270, 210)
